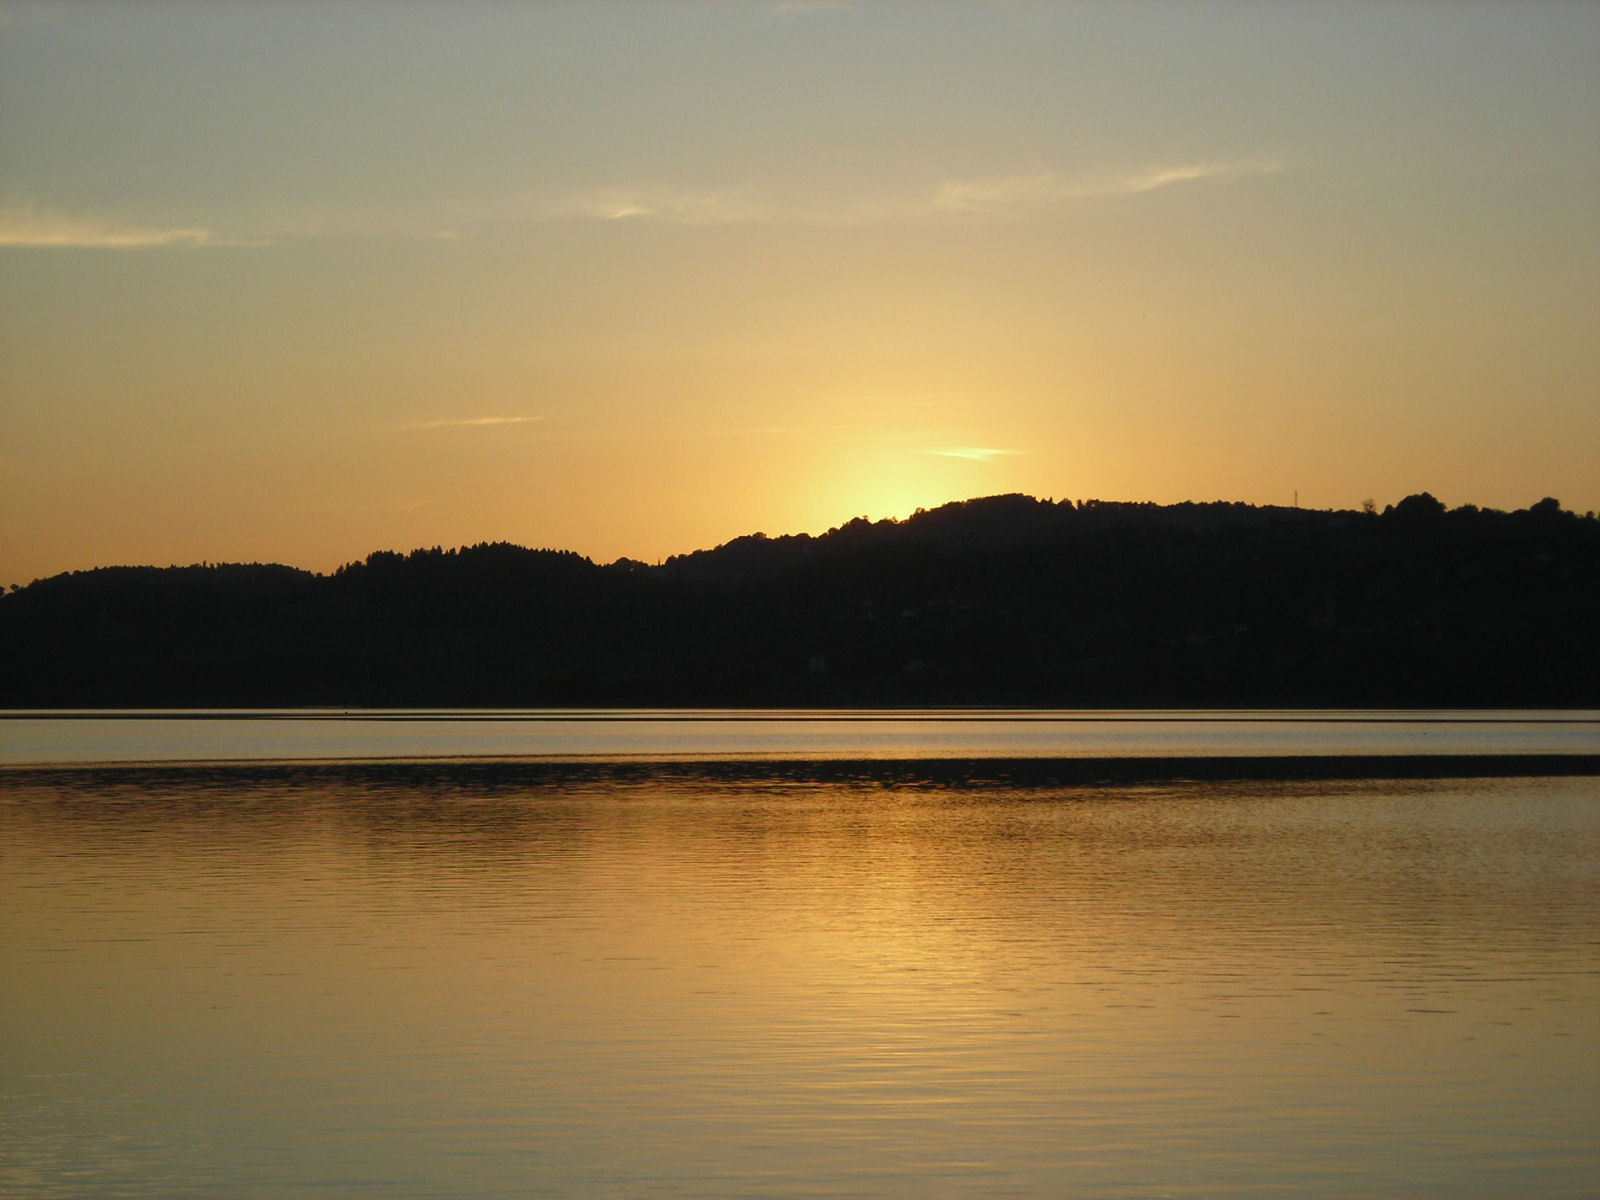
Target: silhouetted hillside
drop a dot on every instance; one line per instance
(1005, 600)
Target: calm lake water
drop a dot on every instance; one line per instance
(251, 735)
(635, 973)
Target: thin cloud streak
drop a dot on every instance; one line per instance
(27, 225)
(1014, 197)
(1198, 172)
(669, 205)
(994, 198)
(974, 453)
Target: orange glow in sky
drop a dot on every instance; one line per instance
(297, 283)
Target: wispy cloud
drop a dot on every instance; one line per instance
(658, 203)
(469, 422)
(1004, 194)
(974, 453)
(1000, 198)
(1212, 172)
(1020, 195)
(989, 198)
(30, 225)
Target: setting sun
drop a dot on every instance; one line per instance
(627, 280)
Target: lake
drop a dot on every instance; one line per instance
(798, 954)
(861, 734)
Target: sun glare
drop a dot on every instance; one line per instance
(892, 491)
(899, 502)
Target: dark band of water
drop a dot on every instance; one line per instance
(1024, 772)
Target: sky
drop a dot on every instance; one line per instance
(290, 282)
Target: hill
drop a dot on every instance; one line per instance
(1004, 600)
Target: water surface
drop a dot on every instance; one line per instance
(212, 735)
(623, 979)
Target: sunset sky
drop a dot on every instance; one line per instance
(296, 282)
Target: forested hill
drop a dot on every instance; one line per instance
(1006, 600)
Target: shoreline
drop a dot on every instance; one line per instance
(906, 771)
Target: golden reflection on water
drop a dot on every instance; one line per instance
(237, 983)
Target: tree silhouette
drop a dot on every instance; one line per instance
(1006, 599)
